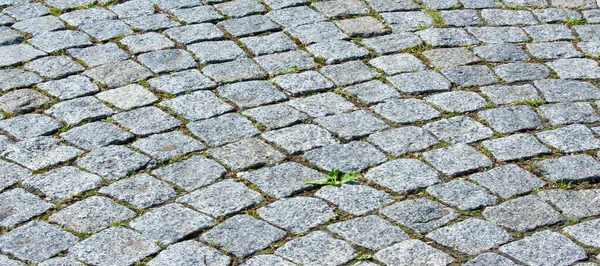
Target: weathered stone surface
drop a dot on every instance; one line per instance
(457, 101)
(573, 167)
(192, 173)
(168, 145)
(20, 206)
(349, 158)
(22, 101)
(222, 198)
(403, 175)
(141, 191)
(511, 119)
(587, 233)
(243, 235)
(515, 147)
(420, 215)
(370, 231)
(113, 162)
(459, 236)
(246, 154)
(91, 215)
(413, 252)
(118, 74)
(406, 111)
(40, 152)
(354, 198)
(523, 214)
(181, 82)
(508, 180)
(96, 134)
(128, 97)
(545, 248)
(298, 214)
(573, 204)
(190, 252)
(457, 160)
(145, 121)
(462, 194)
(317, 248)
(114, 246)
(349, 126)
(36, 241)
(403, 140)
(459, 129)
(170, 223)
(300, 138)
(275, 116)
(12, 174)
(62, 183)
(322, 104)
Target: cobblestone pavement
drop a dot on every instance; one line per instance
(181, 132)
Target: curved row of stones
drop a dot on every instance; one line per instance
(180, 132)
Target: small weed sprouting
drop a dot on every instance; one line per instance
(335, 178)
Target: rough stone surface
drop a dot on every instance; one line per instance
(459, 236)
(36, 241)
(91, 215)
(349, 158)
(523, 214)
(63, 183)
(354, 198)
(222, 198)
(297, 215)
(20, 206)
(317, 248)
(567, 168)
(515, 147)
(413, 252)
(545, 248)
(573, 204)
(403, 175)
(246, 154)
(508, 180)
(457, 160)
(371, 232)
(113, 162)
(462, 194)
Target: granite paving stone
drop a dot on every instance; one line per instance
(337, 51)
(96, 134)
(553, 50)
(243, 235)
(25, 11)
(372, 92)
(303, 83)
(283, 180)
(354, 125)
(275, 116)
(62, 183)
(222, 198)
(77, 18)
(322, 104)
(500, 53)
(146, 42)
(503, 94)
(420, 82)
(91, 215)
(198, 105)
(573, 167)
(349, 158)
(118, 74)
(106, 30)
(407, 21)
(197, 14)
(153, 22)
(269, 44)
(459, 129)
(246, 154)
(19, 206)
(237, 70)
(40, 152)
(170, 223)
(523, 214)
(457, 101)
(295, 16)
(457, 160)
(516, 72)
(9, 36)
(316, 32)
(36, 241)
(17, 78)
(116, 245)
(515, 147)
(499, 34)
(348, 73)
(61, 261)
(490, 259)
(403, 175)
(113, 162)
(285, 62)
(317, 248)
(165, 146)
(354, 198)
(194, 33)
(182, 82)
(508, 180)
(405, 111)
(545, 248)
(128, 97)
(585, 68)
(363, 26)
(371, 232)
(12, 174)
(398, 63)
(462, 194)
(190, 252)
(54, 67)
(445, 57)
(556, 90)
(298, 214)
(223, 129)
(146, 120)
(191, 173)
(413, 252)
(98, 55)
(450, 37)
(78, 110)
(570, 139)
(300, 138)
(259, 260)
(59, 40)
(459, 236)
(242, 27)
(391, 43)
(587, 232)
(39, 25)
(337, 8)
(511, 119)
(18, 53)
(578, 204)
(22, 101)
(569, 113)
(216, 51)
(141, 191)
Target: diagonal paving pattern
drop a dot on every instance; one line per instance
(182, 132)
